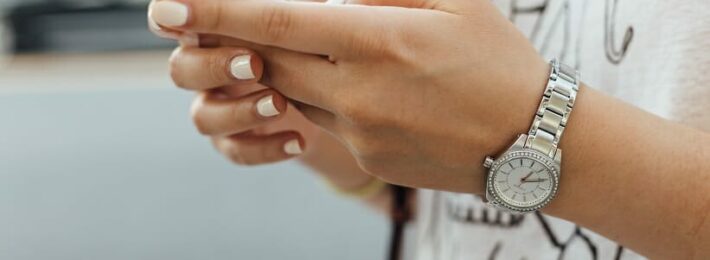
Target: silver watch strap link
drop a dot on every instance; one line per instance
(554, 110)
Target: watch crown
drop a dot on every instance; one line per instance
(488, 162)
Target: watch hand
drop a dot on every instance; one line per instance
(535, 180)
(526, 176)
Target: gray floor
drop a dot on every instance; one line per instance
(121, 174)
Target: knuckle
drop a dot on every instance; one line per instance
(217, 11)
(371, 45)
(249, 161)
(174, 65)
(381, 43)
(236, 154)
(216, 66)
(388, 44)
(268, 153)
(276, 22)
(198, 118)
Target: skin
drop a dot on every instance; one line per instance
(365, 76)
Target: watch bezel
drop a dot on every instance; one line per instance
(528, 153)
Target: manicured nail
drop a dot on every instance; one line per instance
(293, 147)
(153, 25)
(266, 108)
(241, 67)
(169, 13)
(160, 32)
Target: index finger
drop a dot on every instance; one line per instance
(318, 28)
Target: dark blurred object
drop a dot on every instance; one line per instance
(80, 26)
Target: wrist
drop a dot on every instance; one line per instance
(525, 177)
(513, 114)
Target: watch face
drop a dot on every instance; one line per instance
(523, 181)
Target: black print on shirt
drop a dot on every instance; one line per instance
(542, 11)
(563, 245)
(483, 215)
(613, 53)
(479, 214)
(560, 17)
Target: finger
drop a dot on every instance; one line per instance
(217, 116)
(317, 28)
(216, 40)
(248, 149)
(199, 69)
(164, 32)
(421, 4)
(306, 78)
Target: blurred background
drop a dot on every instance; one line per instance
(99, 159)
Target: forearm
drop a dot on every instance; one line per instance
(330, 160)
(636, 178)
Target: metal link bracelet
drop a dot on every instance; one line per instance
(554, 110)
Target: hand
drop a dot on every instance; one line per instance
(247, 122)
(254, 146)
(419, 96)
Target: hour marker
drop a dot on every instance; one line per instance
(534, 195)
(532, 163)
(511, 165)
(525, 198)
(521, 162)
(514, 195)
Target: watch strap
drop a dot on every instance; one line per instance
(554, 110)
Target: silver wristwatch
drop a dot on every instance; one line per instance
(526, 176)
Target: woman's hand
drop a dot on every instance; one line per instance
(419, 96)
(247, 122)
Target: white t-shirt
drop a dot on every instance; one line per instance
(654, 54)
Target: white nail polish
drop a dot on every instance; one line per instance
(169, 13)
(153, 25)
(293, 147)
(266, 108)
(241, 67)
(160, 32)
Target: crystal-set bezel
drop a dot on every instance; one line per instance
(548, 163)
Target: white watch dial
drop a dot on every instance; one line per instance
(523, 182)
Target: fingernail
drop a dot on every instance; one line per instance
(266, 108)
(153, 25)
(293, 147)
(169, 13)
(241, 67)
(160, 32)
